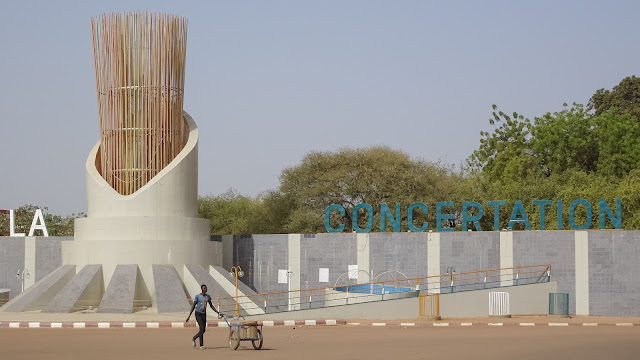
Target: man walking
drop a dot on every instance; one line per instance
(200, 306)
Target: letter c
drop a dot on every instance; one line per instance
(327, 218)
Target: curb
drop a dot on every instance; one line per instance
(510, 324)
(155, 324)
(222, 324)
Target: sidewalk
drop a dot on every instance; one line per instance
(143, 319)
(516, 320)
(151, 319)
(92, 315)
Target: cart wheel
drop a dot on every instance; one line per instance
(257, 344)
(234, 339)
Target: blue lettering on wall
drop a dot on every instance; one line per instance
(542, 204)
(518, 215)
(327, 218)
(385, 212)
(425, 210)
(354, 218)
(440, 216)
(617, 220)
(466, 218)
(572, 213)
(518, 208)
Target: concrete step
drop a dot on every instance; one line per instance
(220, 286)
(38, 296)
(170, 293)
(196, 275)
(83, 291)
(252, 305)
(126, 291)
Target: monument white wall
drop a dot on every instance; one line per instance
(158, 224)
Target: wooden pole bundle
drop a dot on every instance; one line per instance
(139, 63)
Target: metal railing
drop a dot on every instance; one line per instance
(283, 301)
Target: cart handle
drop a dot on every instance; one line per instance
(227, 321)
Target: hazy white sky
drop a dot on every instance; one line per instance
(269, 81)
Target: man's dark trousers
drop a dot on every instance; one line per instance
(201, 318)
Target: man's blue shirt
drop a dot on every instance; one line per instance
(201, 303)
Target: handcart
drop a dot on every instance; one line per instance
(244, 331)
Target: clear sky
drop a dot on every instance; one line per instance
(269, 81)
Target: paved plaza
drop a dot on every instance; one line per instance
(330, 342)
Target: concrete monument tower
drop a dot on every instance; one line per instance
(142, 175)
(142, 243)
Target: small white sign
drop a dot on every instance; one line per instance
(353, 271)
(282, 276)
(323, 275)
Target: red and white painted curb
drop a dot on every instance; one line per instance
(170, 324)
(466, 324)
(155, 324)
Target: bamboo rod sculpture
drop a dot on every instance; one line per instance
(139, 63)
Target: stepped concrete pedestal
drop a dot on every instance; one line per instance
(82, 292)
(126, 291)
(40, 294)
(170, 294)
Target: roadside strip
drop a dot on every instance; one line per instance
(290, 323)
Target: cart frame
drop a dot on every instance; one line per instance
(238, 333)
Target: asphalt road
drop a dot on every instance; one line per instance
(329, 342)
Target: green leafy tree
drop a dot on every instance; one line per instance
(573, 139)
(589, 186)
(618, 143)
(628, 190)
(349, 177)
(624, 97)
(276, 211)
(565, 155)
(505, 152)
(231, 213)
(564, 140)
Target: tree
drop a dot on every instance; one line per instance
(349, 177)
(573, 139)
(618, 143)
(505, 152)
(566, 155)
(231, 213)
(564, 140)
(628, 190)
(625, 98)
(570, 139)
(276, 210)
(591, 187)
